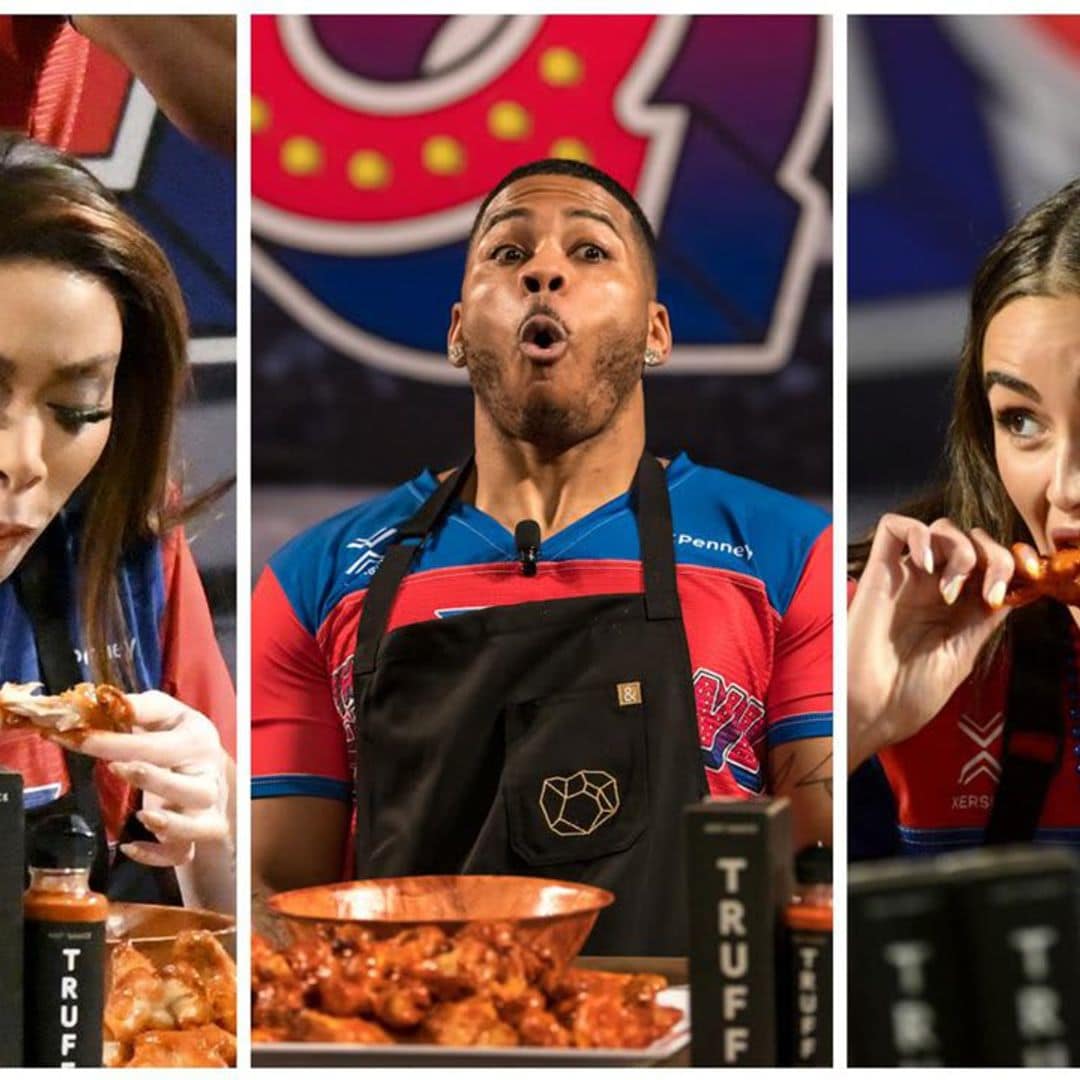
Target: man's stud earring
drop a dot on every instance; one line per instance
(456, 354)
(652, 358)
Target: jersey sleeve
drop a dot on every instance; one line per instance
(799, 702)
(192, 667)
(298, 742)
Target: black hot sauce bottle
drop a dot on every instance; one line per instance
(65, 947)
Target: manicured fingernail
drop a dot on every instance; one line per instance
(928, 561)
(951, 589)
(996, 596)
(127, 849)
(151, 819)
(1031, 565)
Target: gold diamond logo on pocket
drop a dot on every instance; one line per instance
(629, 693)
(578, 805)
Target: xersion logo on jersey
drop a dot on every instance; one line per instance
(982, 763)
(731, 728)
(372, 151)
(983, 736)
(369, 559)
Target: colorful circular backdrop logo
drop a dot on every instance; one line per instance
(376, 137)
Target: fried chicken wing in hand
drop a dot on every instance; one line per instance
(1056, 576)
(85, 707)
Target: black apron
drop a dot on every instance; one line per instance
(554, 738)
(41, 582)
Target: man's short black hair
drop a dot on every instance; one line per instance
(581, 171)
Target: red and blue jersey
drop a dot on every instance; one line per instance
(754, 574)
(934, 791)
(169, 642)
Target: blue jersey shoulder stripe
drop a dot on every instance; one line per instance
(792, 728)
(720, 521)
(320, 787)
(340, 555)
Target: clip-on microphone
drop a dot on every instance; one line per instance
(527, 541)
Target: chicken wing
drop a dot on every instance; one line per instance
(85, 707)
(1057, 577)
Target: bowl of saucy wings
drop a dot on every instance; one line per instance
(451, 962)
(170, 988)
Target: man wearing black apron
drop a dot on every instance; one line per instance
(556, 737)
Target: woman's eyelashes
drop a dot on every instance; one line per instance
(73, 418)
(1019, 423)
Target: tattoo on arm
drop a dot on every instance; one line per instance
(783, 771)
(819, 776)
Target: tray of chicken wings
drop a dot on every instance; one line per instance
(479, 996)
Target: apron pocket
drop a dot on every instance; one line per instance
(576, 779)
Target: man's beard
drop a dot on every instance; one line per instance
(551, 425)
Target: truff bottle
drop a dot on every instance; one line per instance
(809, 925)
(65, 947)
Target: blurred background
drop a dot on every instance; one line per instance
(374, 140)
(956, 126)
(184, 195)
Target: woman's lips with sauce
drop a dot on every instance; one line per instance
(543, 339)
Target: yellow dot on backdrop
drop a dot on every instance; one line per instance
(260, 115)
(508, 120)
(368, 169)
(561, 67)
(301, 156)
(443, 155)
(572, 149)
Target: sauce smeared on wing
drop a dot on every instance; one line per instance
(1057, 577)
(181, 1013)
(85, 707)
(480, 986)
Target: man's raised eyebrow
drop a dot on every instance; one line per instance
(503, 215)
(595, 215)
(1011, 382)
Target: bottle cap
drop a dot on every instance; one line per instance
(63, 842)
(813, 865)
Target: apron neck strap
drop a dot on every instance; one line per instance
(1034, 727)
(428, 516)
(653, 515)
(656, 539)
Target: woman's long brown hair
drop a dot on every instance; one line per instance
(1038, 256)
(54, 210)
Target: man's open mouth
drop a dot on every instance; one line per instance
(542, 338)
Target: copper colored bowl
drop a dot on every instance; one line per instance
(152, 928)
(556, 915)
